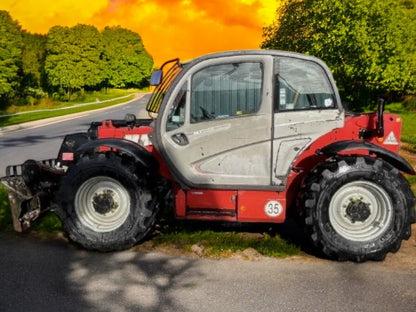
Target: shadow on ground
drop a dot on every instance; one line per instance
(55, 276)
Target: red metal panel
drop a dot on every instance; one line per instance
(208, 205)
(351, 131)
(215, 205)
(197, 217)
(354, 124)
(214, 199)
(180, 203)
(261, 206)
(68, 156)
(135, 134)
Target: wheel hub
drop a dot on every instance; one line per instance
(104, 202)
(357, 210)
(360, 211)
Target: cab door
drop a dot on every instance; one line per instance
(307, 106)
(214, 130)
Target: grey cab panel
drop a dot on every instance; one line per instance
(241, 120)
(305, 107)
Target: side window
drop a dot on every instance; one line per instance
(176, 117)
(226, 90)
(300, 85)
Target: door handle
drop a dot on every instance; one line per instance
(180, 139)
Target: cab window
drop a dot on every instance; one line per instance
(301, 85)
(225, 91)
(176, 117)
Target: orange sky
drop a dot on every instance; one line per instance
(169, 28)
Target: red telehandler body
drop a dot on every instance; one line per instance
(241, 136)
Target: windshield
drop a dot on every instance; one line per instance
(170, 70)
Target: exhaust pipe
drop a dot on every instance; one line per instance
(380, 118)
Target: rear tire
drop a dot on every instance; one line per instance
(104, 205)
(358, 208)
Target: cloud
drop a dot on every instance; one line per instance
(40, 15)
(169, 28)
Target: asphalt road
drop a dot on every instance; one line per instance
(41, 139)
(54, 275)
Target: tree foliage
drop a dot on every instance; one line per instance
(73, 57)
(370, 45)
(10, 56)
(33, 60)
(68, 59)
(126, 62)
(82, 57)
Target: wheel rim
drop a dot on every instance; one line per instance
(102, 204)
(360, 211)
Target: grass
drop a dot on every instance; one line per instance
(5, 217)
(216, 240)
(48, 224)
(17, 119)
(78, 98)
(412, 181)
(409, 125)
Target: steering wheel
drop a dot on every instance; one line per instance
(206, 114)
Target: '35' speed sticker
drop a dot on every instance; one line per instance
(273, 208)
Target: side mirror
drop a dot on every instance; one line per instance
(156, 77)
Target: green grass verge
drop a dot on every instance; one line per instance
(216, 243)
(47, 224)
(409, 129)
(80, 98)
(5, 217)
(17, 119)
(409, 125)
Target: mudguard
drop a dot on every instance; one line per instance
(348, 145)
(138, 152)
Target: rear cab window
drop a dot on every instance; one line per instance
(301, 85)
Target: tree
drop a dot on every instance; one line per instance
(126, 62)
(10, 57)
(33, 59)
(370, 45)
(73, 57)
(68, 59)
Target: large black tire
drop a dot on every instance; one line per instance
(104, 204)
(357, 208)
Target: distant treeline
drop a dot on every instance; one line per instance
(66, 60)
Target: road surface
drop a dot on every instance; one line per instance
(52, 275)
(42, 139)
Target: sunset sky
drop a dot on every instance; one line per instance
(169, 28)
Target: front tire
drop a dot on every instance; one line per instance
(104, 204)
(358, 208)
